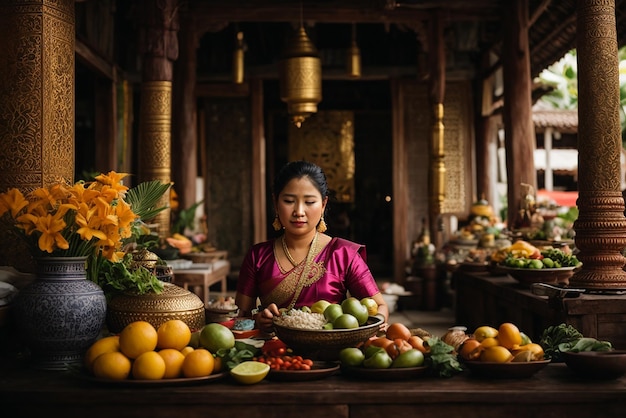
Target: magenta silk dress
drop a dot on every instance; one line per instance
(338, 268)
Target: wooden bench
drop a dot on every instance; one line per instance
(202, 278)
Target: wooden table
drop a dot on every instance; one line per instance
(553, 392)
(200, 277)
(483, 299)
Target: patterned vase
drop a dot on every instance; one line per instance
(60, 314)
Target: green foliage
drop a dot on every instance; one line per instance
(144, 197)
(122, 276)
(185, 218)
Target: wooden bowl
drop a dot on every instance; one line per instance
(597, 364)
(547, 275)
(322, 344)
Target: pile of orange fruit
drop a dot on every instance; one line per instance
(142, 352)
(500, 345)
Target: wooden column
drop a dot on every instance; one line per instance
(184, 115)
(36, 102)
(437, 57)
(601, 226)
(159, 50)
(259, 162)
(519, 130)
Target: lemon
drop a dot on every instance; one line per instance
(250, 372)
(485, 332)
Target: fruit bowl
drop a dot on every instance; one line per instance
(597, 364)
(548, 275)
(322, 344)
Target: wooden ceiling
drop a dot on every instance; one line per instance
(475, 25)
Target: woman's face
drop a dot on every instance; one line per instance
(300, 206)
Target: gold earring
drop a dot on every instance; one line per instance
(321, 227)
(276, 224)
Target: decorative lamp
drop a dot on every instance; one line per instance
(238, 67)
(353, 57)
(300, 73)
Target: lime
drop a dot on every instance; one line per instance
(250, 372)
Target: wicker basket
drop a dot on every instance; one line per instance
(321, 344)
(173, 303)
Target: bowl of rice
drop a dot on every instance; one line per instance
(303, 333)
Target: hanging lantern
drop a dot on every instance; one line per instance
(238, 53)
(353, 57)
(300, 72)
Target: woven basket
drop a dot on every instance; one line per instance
(321, 344)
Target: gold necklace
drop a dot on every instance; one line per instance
(288, 254)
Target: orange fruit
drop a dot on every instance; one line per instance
(496, 354)
(535, 349)
(173, 362)
(198, 363)
(173, 334)
(103, 345)
(113, 365)
(470, 349)
(187, 350)
(398, 330)
(149, 366)
(490, 342)
(509, 335)
(138, 337)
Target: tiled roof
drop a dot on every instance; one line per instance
(562, 120)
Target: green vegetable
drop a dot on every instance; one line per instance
(238, 354)
(553, 336)
(586, 344)
(441, 358)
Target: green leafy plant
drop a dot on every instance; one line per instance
(185, 218)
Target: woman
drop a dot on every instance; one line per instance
(303, 265)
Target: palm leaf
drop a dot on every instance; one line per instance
(144, 197)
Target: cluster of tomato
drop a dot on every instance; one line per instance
(276, 354)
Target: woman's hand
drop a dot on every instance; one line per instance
(265, 318)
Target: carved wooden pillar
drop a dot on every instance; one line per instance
(519, 130)
(601, 226)
(36, 100)
(159, 49)
(437, 92)
(184, 115)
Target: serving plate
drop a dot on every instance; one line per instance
(183, 381)
(400, 373)
(509, 370)
(319, 370)
(529, 276)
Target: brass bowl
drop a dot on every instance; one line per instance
(547, 275)
(173, 303)
(597, 364)
(322, 344)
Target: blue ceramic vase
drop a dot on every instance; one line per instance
(60, 314)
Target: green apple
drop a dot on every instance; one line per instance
(354, 307)
(371, 305)
(345, 321)
(410, 358)
(332, 311)
(320, 306)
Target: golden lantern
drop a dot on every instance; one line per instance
(353, 58)
(300, 73)
(238, 53)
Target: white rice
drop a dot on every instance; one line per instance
(296, 318)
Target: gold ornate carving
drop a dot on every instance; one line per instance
(601, 226)
(36, 100)
(155, 149)
(327, 139)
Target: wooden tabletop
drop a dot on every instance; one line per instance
(554, 391)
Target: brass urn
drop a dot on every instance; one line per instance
(156, 308)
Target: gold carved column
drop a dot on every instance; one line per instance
(37, 40)
(160, 49)
(601, 226)
(437, 144)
